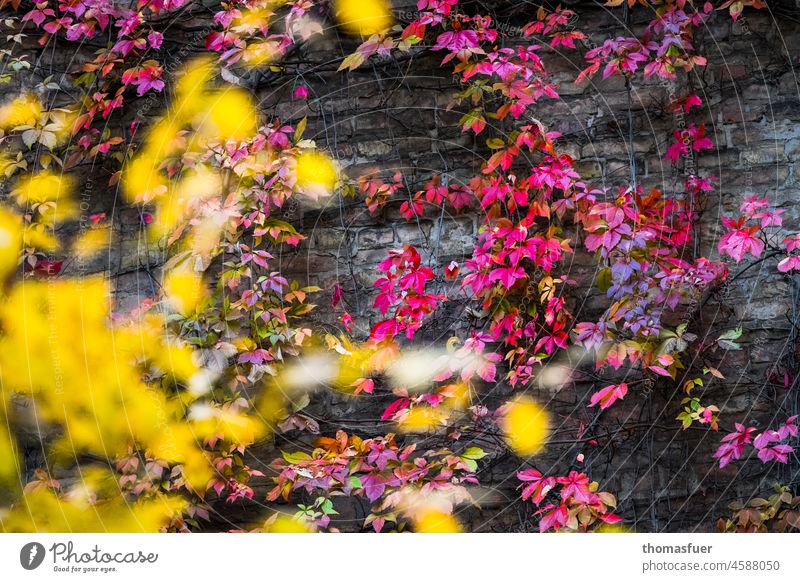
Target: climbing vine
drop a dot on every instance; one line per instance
(228, 352)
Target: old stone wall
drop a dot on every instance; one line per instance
(393, 115)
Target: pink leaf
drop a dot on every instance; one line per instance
(608, 395)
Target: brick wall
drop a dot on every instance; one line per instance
(395, 117)
(392, 115)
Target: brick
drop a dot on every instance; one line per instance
(768, 154)
(590, 168)
(413, 232)
(370, 238)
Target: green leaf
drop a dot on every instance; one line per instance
(301, 127)
(472, 117)
(472, 465)
(301, 402)
(29, 137)
(724, 341)
(604, 279)
(474, 453)
(495, 143)
(282, 224)
(327, 508)
(726, 345)
(295, 457)
(732, 334)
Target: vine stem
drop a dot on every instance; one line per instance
(632, 156)
(634, 180)
(741, 272)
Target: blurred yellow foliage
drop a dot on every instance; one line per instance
(363, 17)
(612, 528)
(261, 53)
(162, 139)
(272, 406)
(422, 419)
(285, 524)
(10, 242)
(57, 348)
(432, 521)
(184, 290)
(24, 110)
(166, 171)
(38, 236)
(316, 173)
(231, 114)
(458, 395)
(227, 424)
(91, 242)
(142, 181)
(8, 456)
(43, 511)
(144, 341)
(192, 82)
(109, 389)
(526, 426)
(252, 19)
(47, 193)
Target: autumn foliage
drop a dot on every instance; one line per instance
(159, 408)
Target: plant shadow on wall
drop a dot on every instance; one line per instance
(430, 268)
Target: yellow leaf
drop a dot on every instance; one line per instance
(301, 127)
(351, 62)
(233, 427)
(38, 237)
(42, 511)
